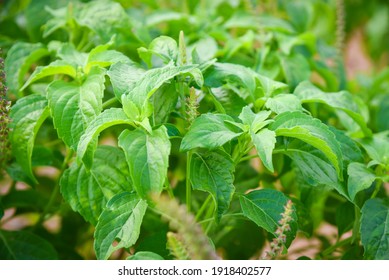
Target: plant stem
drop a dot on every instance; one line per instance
(357, 223)
(203, 207)
(110, 102)
(188, 184)
(332, 248)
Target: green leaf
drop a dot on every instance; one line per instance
(209, 131)
(164, 102)
(283, 103)
(312, 131)
(120, 221)
(350, 150)
(163, 46)
(228, 73)
(54, 68)
(140, 85)
(264, 141)
(23, 245)
(101, 56)
(338, 100)
(345, 217)
(87, 192)
(377, 147)
(88, 143)
(315, 168)
(212, 172)
(264, 207)
(19, 60)
(74, 106)
(374, 229)
(148, 158)
(27, 116)
(296, 69)
(145, 255)
(360, 178)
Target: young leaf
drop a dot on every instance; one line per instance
(283, 103)
(343, 100)
(18, 62)
(209, 131)
(87, 192)
(264, 207)
(27, 116)
(107, 118)
(54, 68)
(312, 131)
(147, 156)
(24, 245)
(74, 106)
(264, 141)
(144, 84)
(213, 172)
(163, 46)
(360, 178)
(120, 221)
(377, 147)
(374, 229)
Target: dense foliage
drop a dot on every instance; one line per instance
(192, 130)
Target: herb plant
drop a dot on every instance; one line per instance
(195, 130)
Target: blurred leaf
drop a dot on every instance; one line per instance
(23, 245)
(145, 256)
(360, 178)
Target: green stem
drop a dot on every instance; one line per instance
(188, 184)
(110, 102)
(203, 207)
(168, 188)
(332, 248)
(248, 158)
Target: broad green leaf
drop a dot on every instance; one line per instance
(74, 106)
(377, 147)
(343, 100)
(350, 150)
(283, 103)
(148, 158)
(24, 245)
(315, 168)
(209, 131)
(120, 221)
(107, 118)
(312, 131)
(264, 207)
(140, 85)
(234, 74)
(145, 255)
(360, 178)
(27, 116)
(68, 52)
(106, 18)
(231, 102)
(375, 229)
(103, 57)
(264, 141)
(19, 60)
(269, 87)
(54, 68)
(87, 192)
(164, 101)
(213, 172)
(164, 47)
(296, 69)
